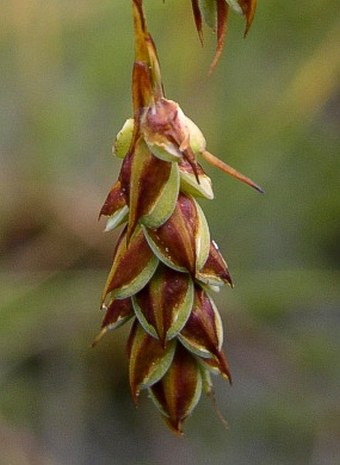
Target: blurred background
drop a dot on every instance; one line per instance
(272, 110)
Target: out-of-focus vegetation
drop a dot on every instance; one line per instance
(272, 110)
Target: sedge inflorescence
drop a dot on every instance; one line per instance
(165, 264)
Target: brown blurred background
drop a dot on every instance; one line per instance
(272, 110)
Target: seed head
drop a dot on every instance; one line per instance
(165, 264)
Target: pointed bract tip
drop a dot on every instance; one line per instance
(258, 188)
(218, 412)
(175, 426)
(213, 160)
(99, 337)
(135, 396)
(224, 367)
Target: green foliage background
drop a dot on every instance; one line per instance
(272, 110)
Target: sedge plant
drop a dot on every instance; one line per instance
(166, 266)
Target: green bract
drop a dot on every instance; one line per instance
(123, 140)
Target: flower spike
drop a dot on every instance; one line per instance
(165, 263)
